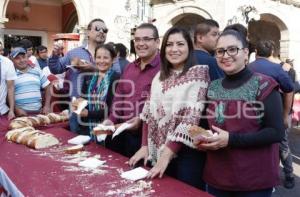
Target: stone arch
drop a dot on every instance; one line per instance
(5, 4)
(271, 27)
(284, 33)
(80, 12)
(178, 13)
(77, 3)
(79, 7)
(187, 20)
(186, 10)
(69, 18)
(72, 20)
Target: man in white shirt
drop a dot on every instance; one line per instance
(7, 87)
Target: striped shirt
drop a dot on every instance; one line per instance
(28, 89)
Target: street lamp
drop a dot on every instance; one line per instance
(26, 6)
(249, 13)
(246, 14)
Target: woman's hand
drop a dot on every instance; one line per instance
(107, 122)
(142, 153)
(198, 140)
(217, 141)
(162, 164)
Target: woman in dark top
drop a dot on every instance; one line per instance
(98, 89)
(245, 110)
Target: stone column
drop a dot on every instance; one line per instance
(2, 22)
(284, 49)
(1, 35)
(290, 49)
(82, 33)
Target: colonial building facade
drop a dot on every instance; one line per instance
(266, 19)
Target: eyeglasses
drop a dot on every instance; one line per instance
(143, 39)
(104, 30)
(231, 51)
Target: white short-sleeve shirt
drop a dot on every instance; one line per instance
(7, 72)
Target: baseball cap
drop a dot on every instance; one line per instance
(16, 51)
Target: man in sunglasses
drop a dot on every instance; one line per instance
(76, 62)
(80, 59)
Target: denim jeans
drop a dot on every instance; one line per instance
(188, 167)
(75, 127)
(286, 156)
(73, 123)
(223, 193)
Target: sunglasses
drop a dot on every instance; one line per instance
(104, 30)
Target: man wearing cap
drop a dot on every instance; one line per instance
(30, 80)
(7, 88)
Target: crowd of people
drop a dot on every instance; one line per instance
(205, 80)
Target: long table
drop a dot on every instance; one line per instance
(51, 172)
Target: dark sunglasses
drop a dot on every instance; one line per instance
(104, 30)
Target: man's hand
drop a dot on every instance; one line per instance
(46, 110)
(20, 112)
(57, 49)
(11, 115)
(86, 67)
(286, 121)
(286, 67)
(142, 153)
(82, 65)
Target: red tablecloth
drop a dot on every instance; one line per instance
(48, 173)
(4, 122)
